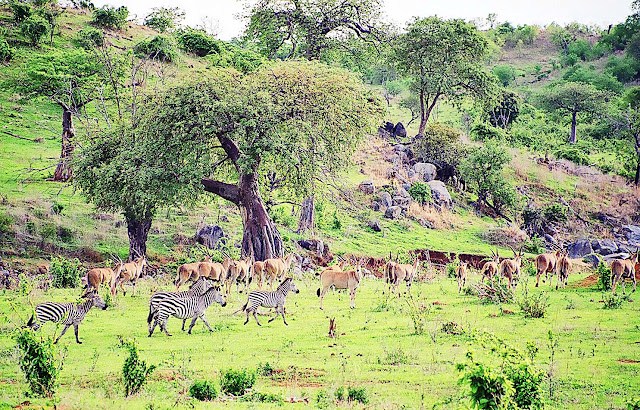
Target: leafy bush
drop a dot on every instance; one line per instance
(505, 73)
(419, 315)
(265, 369)
(613, 301)
(164, 19)
(6, 51)
(6, 223)
(483, 132)
(203, 391)
(358, 394)
(534, 306)
(241, 59)
(604, 272)
(490, 388)
(633, 404)
(336, 222)
(262, 397)
(340, 393)
(34, 29)
(198, 43)
(89, 37)
(56, 208)
(135, 372)
(452, 328)
(527, 384)
(573, 154)
(110, 17)
(421, 192)
(21, 11)
(65, 272)
(236, 382)
(394, 357)
(323, 400)
(440, 145)
(160, 48)
(555, 213)
(40, 362)
(533, 245)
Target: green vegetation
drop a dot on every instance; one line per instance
(65, 272)
(203, 391)
(135, 372)
(40, 362)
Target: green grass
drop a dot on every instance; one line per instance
(586, 371)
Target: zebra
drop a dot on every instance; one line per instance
(185, 308)
(65, 313)
(198, 288)
(270, 299)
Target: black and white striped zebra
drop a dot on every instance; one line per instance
(185, 308)
(270, 299)
(198, 288)
(66, 313)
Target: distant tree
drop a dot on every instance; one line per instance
(110, 17)
(305, 27)
(50, 11)
(507, 110)
(572, 98)
(442, 58)
(631, 125)
(164, 19)
(505, 73)
(303, 119)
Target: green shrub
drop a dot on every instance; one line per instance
(490, 388)
(110, 17)
(421, 192)
(633, 403)
(534, 306)
(48, 231)
(198, 43)
(164, 19)
(604, 271)
(452, 328)
(160, 48)
(572, 154)
(40, 362)
(265, 369)
(358, 394)
(135, 372)
(89, 37)
(65, 272)
(336, 222)
(612, 301)
(203, 391)
(323, 400)
(65, 234)
(394, 357)
(340, 393)
(34, 29)
(262, 397)
(236, 382)
(21, 10)
(56, 208)
(533, 245)
(440, 145)
(6, 223)
(555, 213)
(482, 132)
(527, 384)
(6, 51)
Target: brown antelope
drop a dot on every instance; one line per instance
(622, 269)
(185, 272)
(239, 271)
(192, 271)
(510, 269)
(564, 268)
(388, 273)
(340, 279)
(403, 272)
(490, 268)
(461, 275)
(258, 273)
(128, 272)
(98, 276)
(545, 263)
(277, 268)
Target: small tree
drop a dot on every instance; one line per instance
(483, 172)
(439, 144)
(135, 372)
(110, 17)
(164, 19)
(40, 362)
(572, 98)
(34, 29)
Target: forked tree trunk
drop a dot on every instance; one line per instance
(138, 231)
(307, 215)
(572, 138)
(63, 171)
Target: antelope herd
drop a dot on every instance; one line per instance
(211, 281)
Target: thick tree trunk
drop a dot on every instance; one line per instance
(138, 230)
(572, 139)
(423, 115)
(307, 215)
(63, 170)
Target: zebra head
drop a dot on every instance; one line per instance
(287, 285)
(218, 297)
(294, 289)
(98, 302)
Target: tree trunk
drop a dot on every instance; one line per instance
(572, 139)
(138, 230)
(637, 178)
(63, 170)
(261, 238)
(423, 115)
(307, 215)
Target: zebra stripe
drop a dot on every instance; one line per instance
(185, 307)
(270, 299)
(66, 313)
(197, 289)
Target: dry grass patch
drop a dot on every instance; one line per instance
(505, 236)
(444, 219)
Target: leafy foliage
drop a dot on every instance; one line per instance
(357, 394)
(65, 272)
(507, 110)
(110, 17)
(164, 19)
(20, 10)
(237, 382)
(39, 361)
(161, 48)
(198, 43)
(421, 192)
(439, 144)
(135, 372)
(604, 272)
(34, 29)
(534, 306)
(89, 37)
(203, 391)
(612, 301)
(6, 51)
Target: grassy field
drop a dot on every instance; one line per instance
(376, 348)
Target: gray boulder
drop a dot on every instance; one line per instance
(604, 246)
(375, 205)
(439, 194)
(367, 187)
(592, 259)
(632, 233)
(399, 130)
(402, 192)
(402, 201)
(580, 248)
(393, 212)
(209, 236)
(426, 171)
(385, 199)
(619, 255)
(375, 225)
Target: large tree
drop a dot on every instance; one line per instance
(572, 98)
(304, 119)
(289, 28)
(442, 58)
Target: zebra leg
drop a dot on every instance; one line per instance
(193, 322)
(63, 332)
(163, 326)
(255, 317)
(184, 321)
(247, 321)
(152, 327)
(204, 319)
(274, 318)
(75, 330)
(282, 314)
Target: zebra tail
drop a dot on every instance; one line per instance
(318, 292)
(150, 314)
(175, 282)
(30, 322)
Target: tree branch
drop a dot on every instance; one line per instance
(229, 192)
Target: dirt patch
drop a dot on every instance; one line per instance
(305, 377)
(628, 361)
(587, 282)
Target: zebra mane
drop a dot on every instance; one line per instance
(285, 281)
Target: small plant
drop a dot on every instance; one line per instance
(6, 51)
(612, 301)
(419, 315)
(394, 357)
(198, 43)
(532, 350)
(110, 17)
(555, 213)
(262, 398)
(161, 48)
(340, 393)
(452, 328)
(358, 394)
(65, 272)
(323, 400)
(203, 391)
(34, 29)
(534, 306)
(135, 372)
(265, 369)
(633, 403)
(21, 11)
(89, 37)
(56, 208)
(237, 382)
(336, 223)
(421, 192)
(496, 292)
(604, 271)
(533, 245)
(40, 362)
(6, 223)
